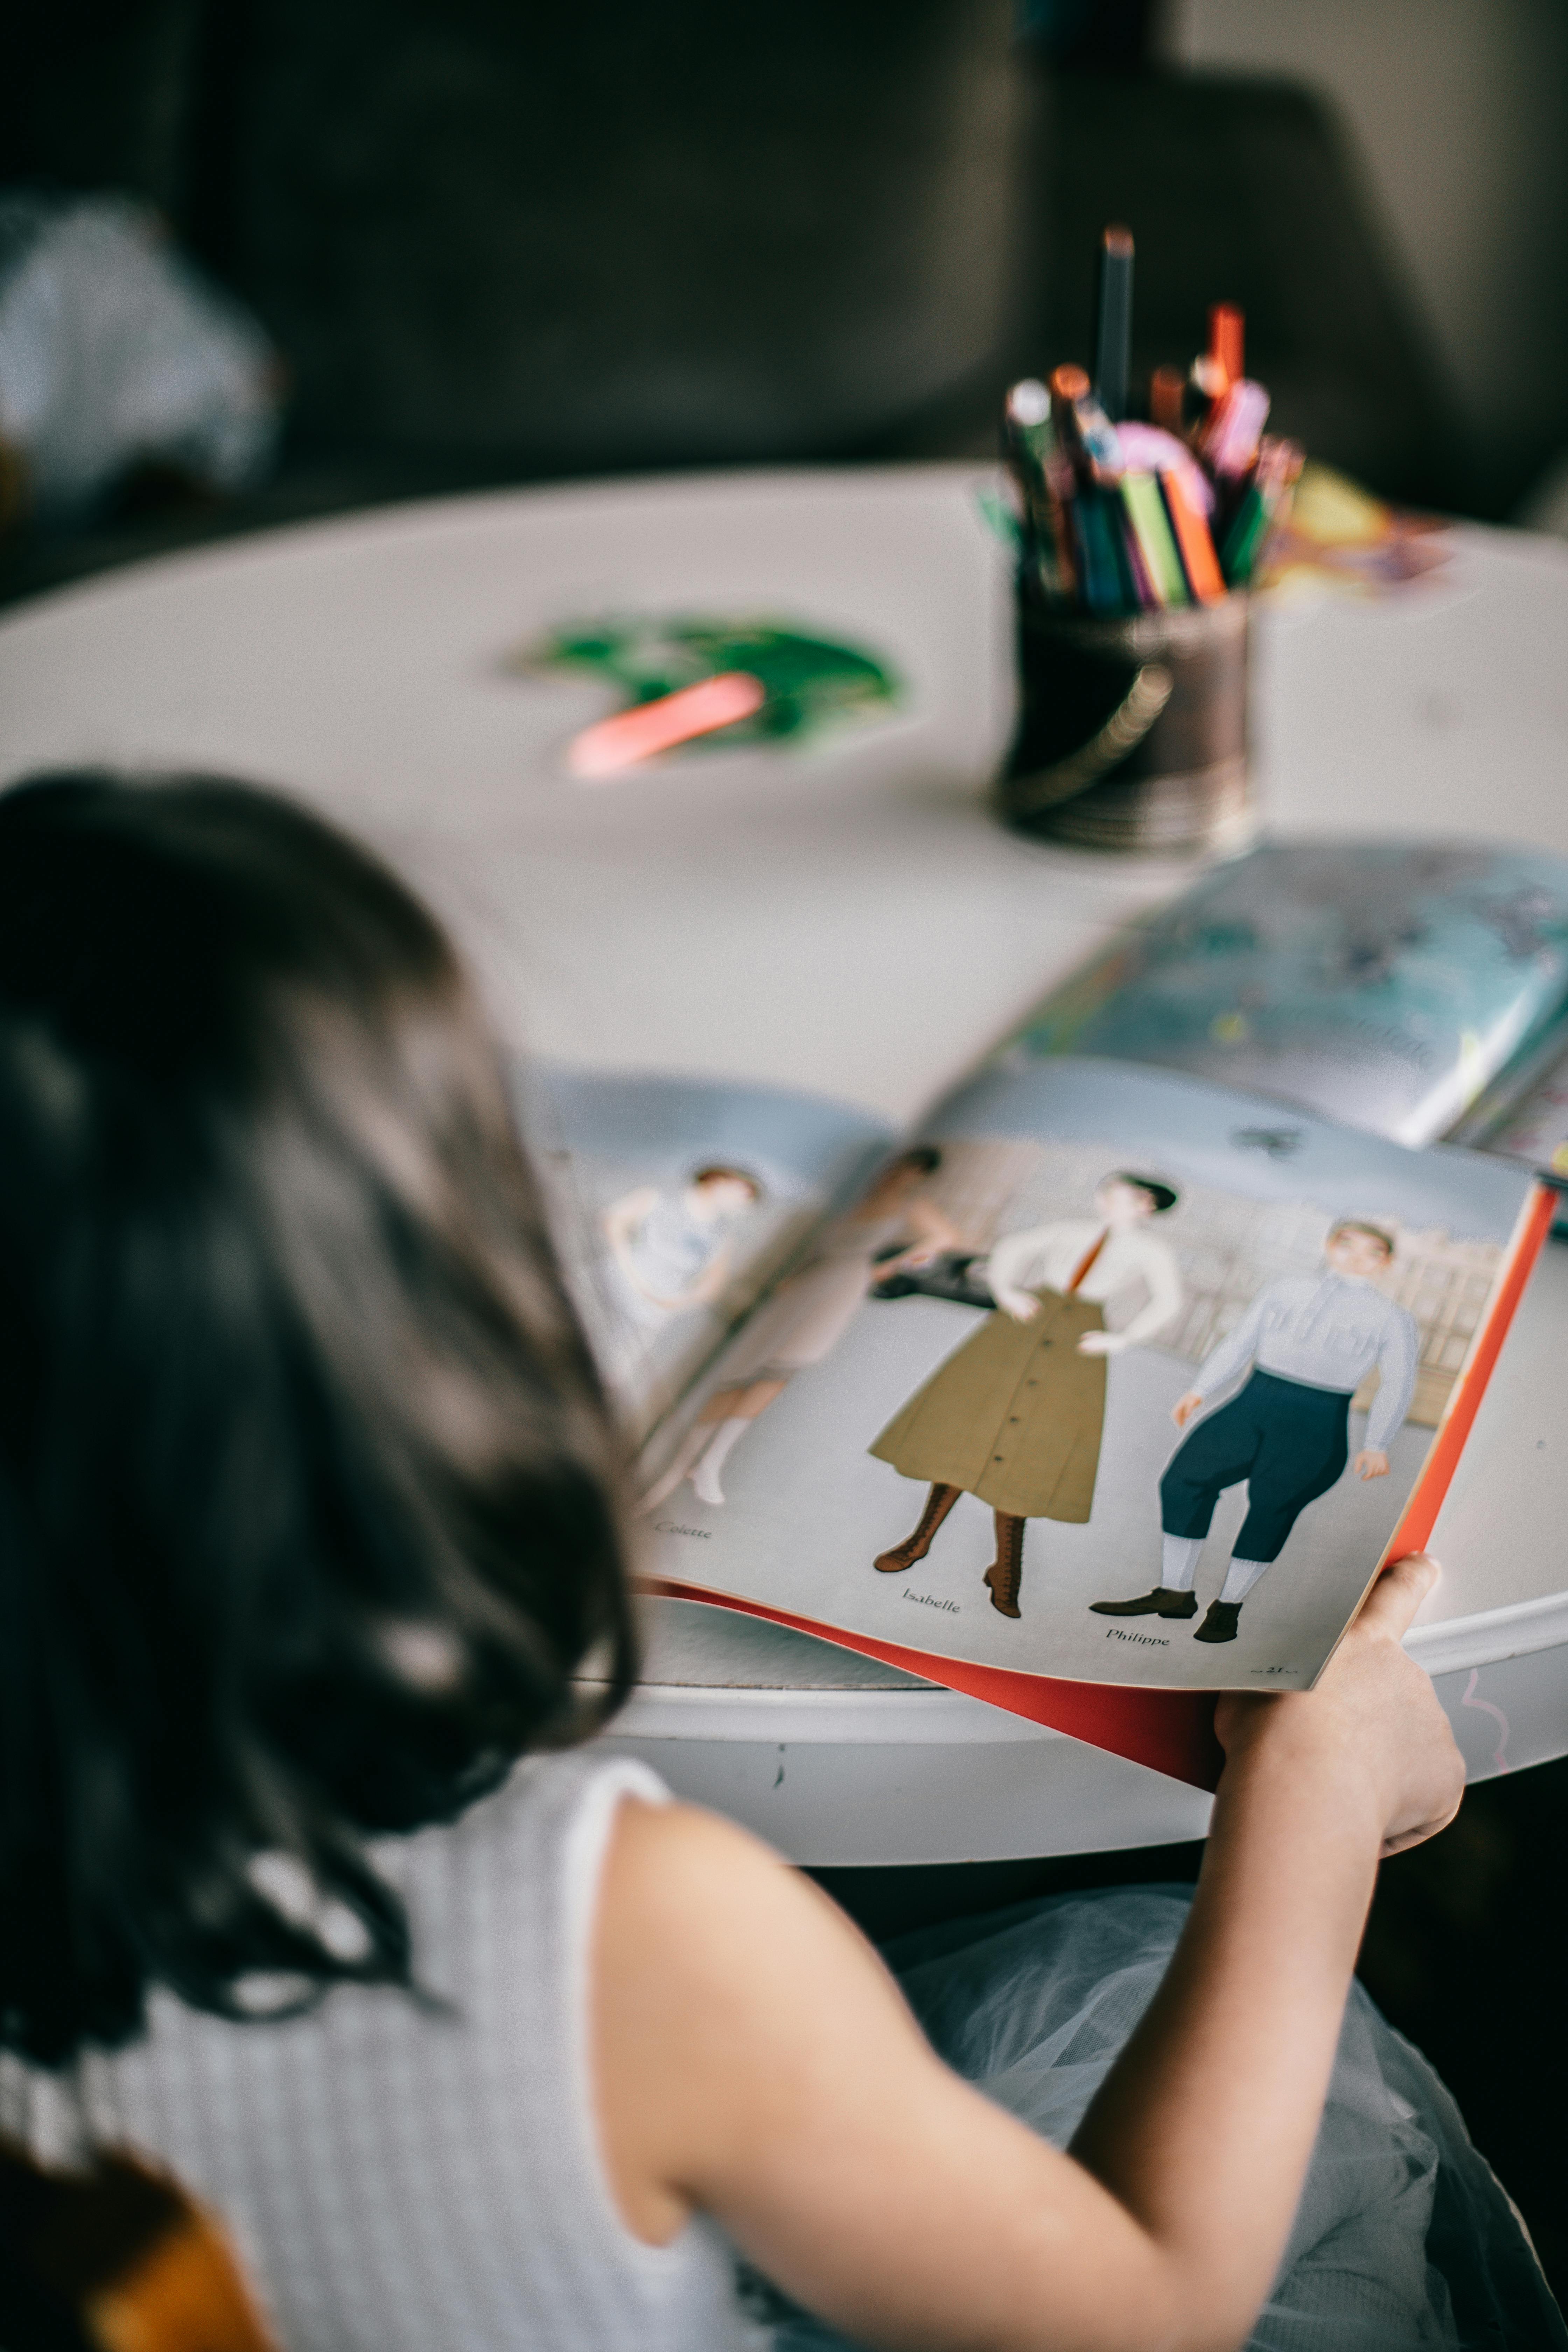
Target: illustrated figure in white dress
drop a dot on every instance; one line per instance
(1307, 1342)
(809, 1312)
(674, 1251)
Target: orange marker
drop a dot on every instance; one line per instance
(1193, 542)
(604, 749)
(1226, 326)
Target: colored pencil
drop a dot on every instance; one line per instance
(1150, 529)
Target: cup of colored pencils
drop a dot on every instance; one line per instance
(1137, 540)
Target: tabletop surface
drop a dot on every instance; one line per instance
(850, 920)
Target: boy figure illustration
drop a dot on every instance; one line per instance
(1015, 1415)
(1309, 1341)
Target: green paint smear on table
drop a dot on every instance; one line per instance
(813, 685)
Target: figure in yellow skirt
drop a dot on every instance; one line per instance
(1015, 1415)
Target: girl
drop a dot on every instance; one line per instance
(308, 1518)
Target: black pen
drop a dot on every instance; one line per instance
(1113, 331)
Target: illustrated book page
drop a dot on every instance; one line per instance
(1108, 1376)
(674, 1202)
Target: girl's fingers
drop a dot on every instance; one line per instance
(1398, 1594)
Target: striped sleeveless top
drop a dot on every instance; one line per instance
(396, 2175)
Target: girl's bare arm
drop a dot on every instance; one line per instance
(755, 2059)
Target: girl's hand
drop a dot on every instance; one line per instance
(1372, 1724)
(1184, 1407)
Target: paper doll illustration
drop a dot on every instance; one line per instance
(891, 1226)
(674, 1251)
(1015, 1415)
(1307, 1342)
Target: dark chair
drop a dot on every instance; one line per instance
(566, 240)
(498, 243)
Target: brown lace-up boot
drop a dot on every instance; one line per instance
(939, 1502)
(1006, 1573)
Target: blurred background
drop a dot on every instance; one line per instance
(265, 259)
(448, 243)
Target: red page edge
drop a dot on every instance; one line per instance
(1172, 1731)
(1414, 1529)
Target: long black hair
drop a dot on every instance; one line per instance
(309, 1494)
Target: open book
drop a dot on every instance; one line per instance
(1107, 1389)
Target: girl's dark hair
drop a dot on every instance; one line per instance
(308, 1488)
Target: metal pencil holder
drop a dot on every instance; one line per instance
(1132, 731)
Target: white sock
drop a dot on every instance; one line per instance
(691, 1447)
(705, 1477)
(1179, 1562)
(1240, 1577)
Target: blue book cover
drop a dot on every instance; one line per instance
(1382, 982)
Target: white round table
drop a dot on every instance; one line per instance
(850, 921)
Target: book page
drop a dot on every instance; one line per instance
(674, 1202)
(1150, 1414)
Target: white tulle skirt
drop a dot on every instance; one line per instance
(1404, 2239)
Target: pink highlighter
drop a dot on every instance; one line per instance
(1229, 439)
(647, 728)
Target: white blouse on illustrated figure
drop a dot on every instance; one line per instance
(1050, 1255)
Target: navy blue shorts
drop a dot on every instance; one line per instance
(1290, 1442)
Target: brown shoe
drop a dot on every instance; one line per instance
(939, 1502)
(1006, 1573)
(1221, 1623)
(1161, 1602)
